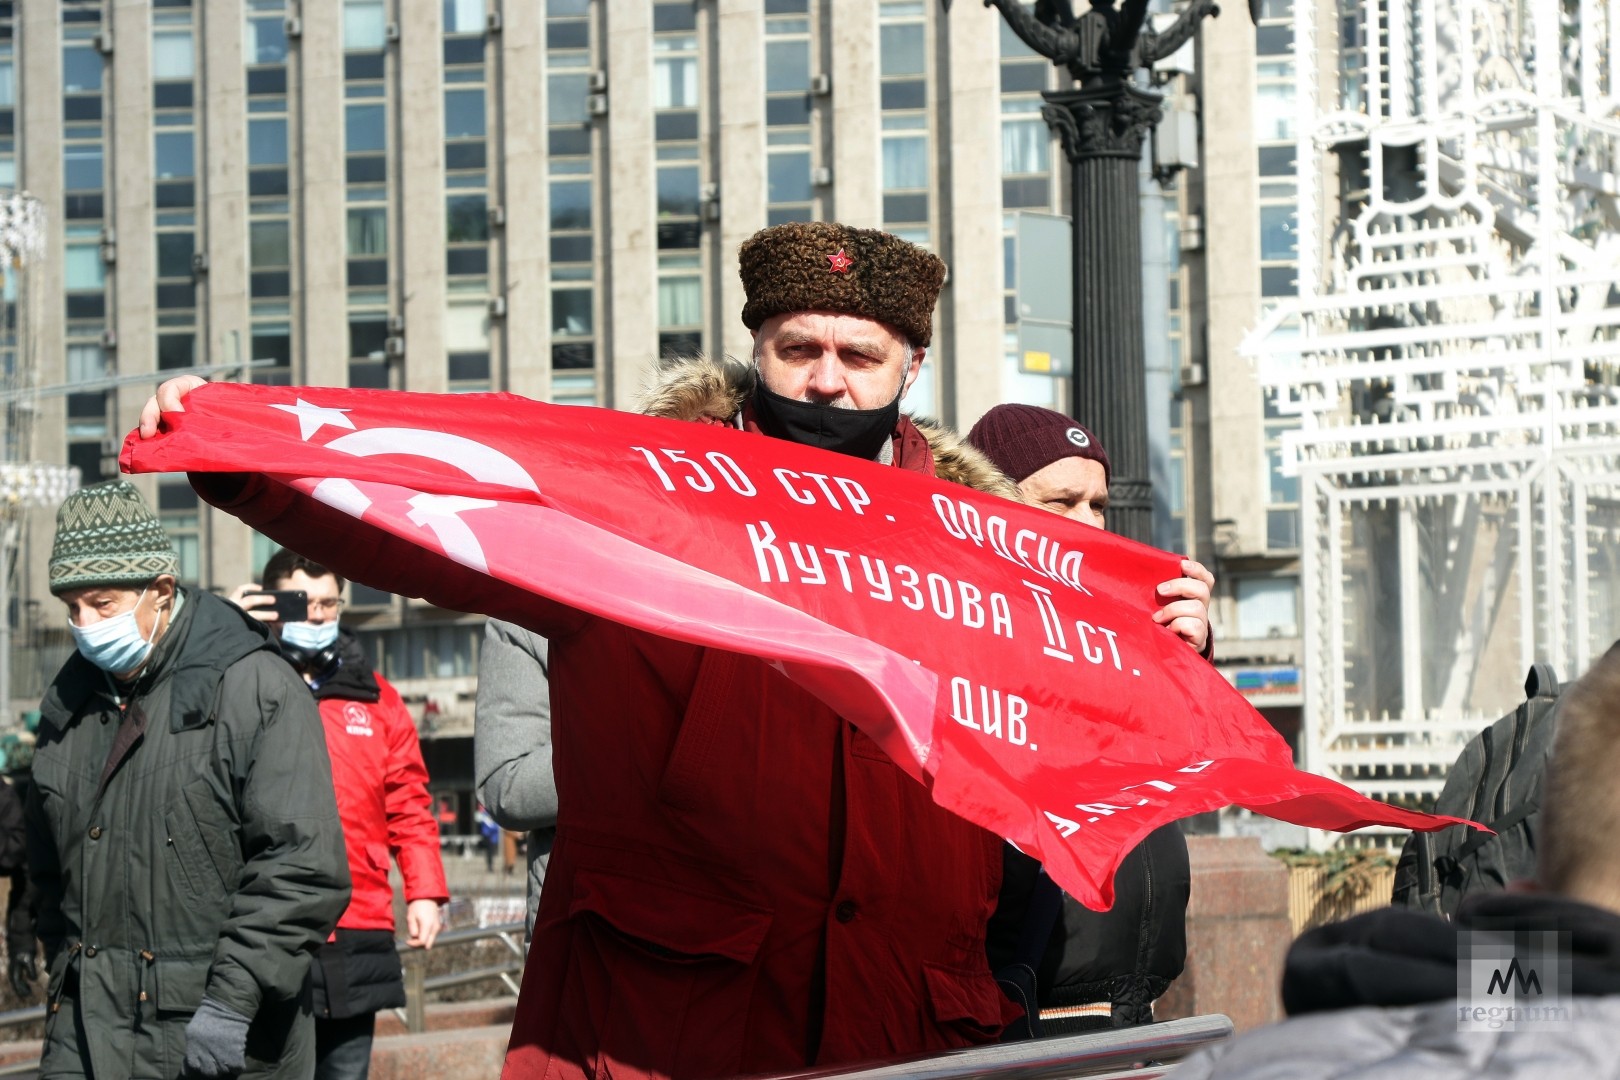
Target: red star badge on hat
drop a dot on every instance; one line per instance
(840, 262)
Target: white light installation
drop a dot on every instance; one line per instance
(1451, 359)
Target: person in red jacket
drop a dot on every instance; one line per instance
(382, 798)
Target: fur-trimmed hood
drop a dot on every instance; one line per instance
(715, 390)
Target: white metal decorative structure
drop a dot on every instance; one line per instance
(1451, 359)
(24, 485)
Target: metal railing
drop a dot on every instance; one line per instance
(418, 984)
(1140, 1053)
(19, 1017)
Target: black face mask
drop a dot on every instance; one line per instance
(856, 432)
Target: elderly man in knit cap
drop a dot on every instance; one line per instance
(1090, 969)
(742, 882)
(182, 831)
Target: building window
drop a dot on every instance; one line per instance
(789, 114)
(466, 127)
(1274, 135)
(365, 128)
(266, 35)
(1026, 142)
(175, 191)
(365, 25)
(180, 512)
(571, 188)
(1282, 492)
(466, 340)
(175, 155)
(368, 173)
(571, 313)
(270, 233)
(680, 305)
(903, 94)
(173, 55)
(271, 341)
(1268, 607)
(464, 16)
(84, 270)
(424, 652)
(675, 131)
(1352, 56)
(1279, 227)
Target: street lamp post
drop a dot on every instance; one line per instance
(1102, 123)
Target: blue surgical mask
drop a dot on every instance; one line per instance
(114, 645)
(311, 637)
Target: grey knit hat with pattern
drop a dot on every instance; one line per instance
(106, 535)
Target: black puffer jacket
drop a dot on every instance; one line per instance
(1126, 956)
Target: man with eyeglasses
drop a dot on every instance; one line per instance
(382, 798)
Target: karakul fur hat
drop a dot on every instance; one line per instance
(825, 266)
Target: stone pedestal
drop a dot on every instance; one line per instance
(1238, 932)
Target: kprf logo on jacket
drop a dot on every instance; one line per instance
(356, 719)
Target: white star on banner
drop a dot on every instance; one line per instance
(311, 418)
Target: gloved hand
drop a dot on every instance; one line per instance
(216, 1041)
(24, 973)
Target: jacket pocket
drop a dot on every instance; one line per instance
(661, 977)
(968, 1003)
(192, 868)
(671, 920)
(178, 986)
(217, 830)
(181, 983)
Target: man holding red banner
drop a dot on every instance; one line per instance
(745, 878)
(742, 881)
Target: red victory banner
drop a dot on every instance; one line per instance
(1002, 655)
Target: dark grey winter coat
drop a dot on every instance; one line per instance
(208, 861)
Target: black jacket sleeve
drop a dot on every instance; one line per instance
(44, 876)
(13, 835)
(21, 900)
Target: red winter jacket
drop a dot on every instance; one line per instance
(382, 798)
(741, 881)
